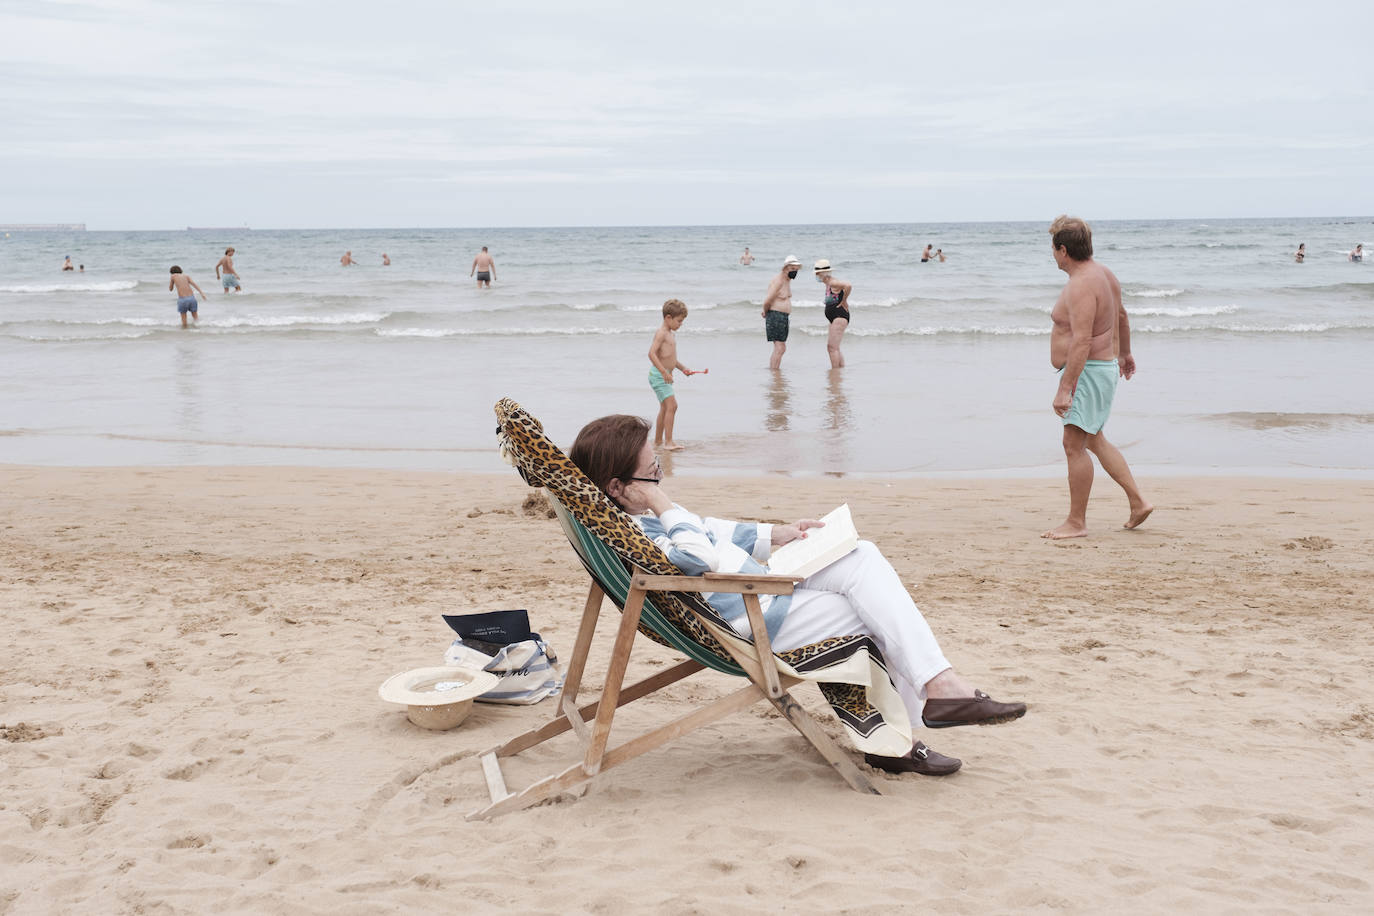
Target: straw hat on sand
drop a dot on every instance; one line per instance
(437, 698)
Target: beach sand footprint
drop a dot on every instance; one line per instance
(192, 841)
(191, 770)
(25, 731)
(536, 505)
(1310, 543)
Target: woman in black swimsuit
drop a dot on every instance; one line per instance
(836, 311)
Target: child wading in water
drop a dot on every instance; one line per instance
(186, 300)
(663, 354)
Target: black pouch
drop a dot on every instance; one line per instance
(495, 628)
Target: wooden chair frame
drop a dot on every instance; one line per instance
(765, 683)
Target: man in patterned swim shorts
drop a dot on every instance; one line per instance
(777, 308)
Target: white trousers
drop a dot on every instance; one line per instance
(861, 594)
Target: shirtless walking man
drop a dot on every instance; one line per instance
(230, 277)
(484, 267)
(182, 284)
(777, 308)
(1090, 334)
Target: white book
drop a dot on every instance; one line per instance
(820, 547)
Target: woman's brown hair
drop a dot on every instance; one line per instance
(608, 448)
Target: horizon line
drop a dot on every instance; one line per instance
(1125, 219)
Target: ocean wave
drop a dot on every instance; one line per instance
(1366, 289)
(1148, 293)
(1299, 328)
(1198, 312)
(109, 286)
(890, 302)
(504, 332)
(81, 338)
(934, 331)
(233, 321)
(291, 321)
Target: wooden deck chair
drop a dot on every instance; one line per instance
(657, 600)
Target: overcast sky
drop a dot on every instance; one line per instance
(148, 114)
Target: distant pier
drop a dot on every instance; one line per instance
(42, 227)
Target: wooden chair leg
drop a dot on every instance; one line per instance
(762, 645)
(776, 693)
(577, 775)
(560, 724)
(591, 613)
(839, 761)
(615, 675)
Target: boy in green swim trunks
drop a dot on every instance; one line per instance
(663, 354)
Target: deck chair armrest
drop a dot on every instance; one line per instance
(730, 583)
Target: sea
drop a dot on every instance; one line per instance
(1248, 362)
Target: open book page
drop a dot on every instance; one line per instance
(820, 547)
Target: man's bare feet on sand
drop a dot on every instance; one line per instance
(1065, 531)
(1138, 516)
(672, 447)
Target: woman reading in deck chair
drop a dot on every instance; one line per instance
(859, 594)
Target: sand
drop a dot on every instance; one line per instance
(190, 718)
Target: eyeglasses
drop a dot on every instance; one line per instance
(658, 471)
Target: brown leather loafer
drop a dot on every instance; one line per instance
(920, 759)
(979, 709)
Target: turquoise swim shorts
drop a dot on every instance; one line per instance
(661, 388)
(1092, 399)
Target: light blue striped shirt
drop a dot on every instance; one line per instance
(697, 546)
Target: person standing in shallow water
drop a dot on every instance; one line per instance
(777, 309)
(484, 267)
(1090, 344)
(230, 277)
(836, 311)
(186, 300)
(1301, 252)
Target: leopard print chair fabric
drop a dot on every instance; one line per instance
(849, 669)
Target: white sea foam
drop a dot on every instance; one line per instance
(503, 332)
(65, 338)
(1154, 293)
(234, 321)
(133, 322)
(1185, 312)
(110, 286)
(1307, 328)
(933, 331)
(421, 332)
(286, 321)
